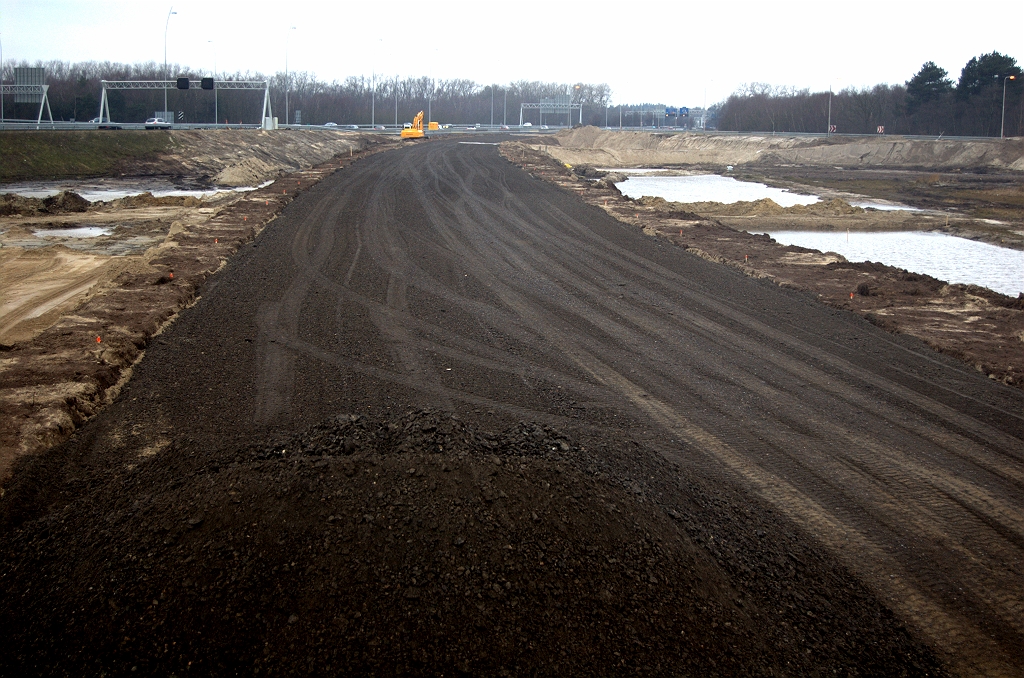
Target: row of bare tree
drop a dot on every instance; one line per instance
(74, 94)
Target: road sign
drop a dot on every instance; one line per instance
(881, 129)
(831, 129)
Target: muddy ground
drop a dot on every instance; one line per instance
(974, 324)
(531, 523)
(76, 313)
(206, 523)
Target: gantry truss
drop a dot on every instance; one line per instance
(552, 107)
(192, 84)
(36, 90)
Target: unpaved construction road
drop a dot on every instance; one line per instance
(659, 465)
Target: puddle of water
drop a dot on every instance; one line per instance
(884, 206)
(80, 232)
(946, 257)
(726, 190)
(113, 189)
(709, 188)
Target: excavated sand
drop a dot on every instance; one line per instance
(606, 148)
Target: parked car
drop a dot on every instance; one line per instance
(157, 123)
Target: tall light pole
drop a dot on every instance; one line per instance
(1, 82)
(215, 114)
(396, 100)
(504, 107)
(287, 34)
(166, 26)
(492, 104)
(828, 130)
(1002, 122)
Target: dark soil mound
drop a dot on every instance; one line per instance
(65, 201)
(415, 545)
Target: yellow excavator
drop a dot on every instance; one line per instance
(416, 131)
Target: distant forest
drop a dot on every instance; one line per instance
(75, 94)
(929, 103)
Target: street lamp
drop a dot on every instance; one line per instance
(828, 129)
(492, 104)
(581, 108)
(1002, 122)
(286, 83)
(166, 26)
(215, 113)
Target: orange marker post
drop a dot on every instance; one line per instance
(851, 295)
(171, 275)
(98, 340)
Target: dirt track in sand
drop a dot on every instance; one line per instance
(857, 492)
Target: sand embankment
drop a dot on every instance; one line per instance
(612, 148)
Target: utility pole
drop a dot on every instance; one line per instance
(492, 104)
(504, 108)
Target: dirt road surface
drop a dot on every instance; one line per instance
(658, 464)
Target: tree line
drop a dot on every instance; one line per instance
(74, 94)
(928, 103)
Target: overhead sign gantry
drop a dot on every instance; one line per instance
(186, 83)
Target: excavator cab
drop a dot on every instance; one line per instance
(416, 131)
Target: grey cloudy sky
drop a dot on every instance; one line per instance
(646, 51)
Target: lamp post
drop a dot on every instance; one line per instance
(396, 100)
(166, 26)
(286, 81)
(1002, 122)
(504, 107)
(215, 113)
(492, 104)
(828, 129)
(577, 88)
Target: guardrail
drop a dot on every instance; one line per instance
(30, 125)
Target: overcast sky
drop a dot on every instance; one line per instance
(646, 51)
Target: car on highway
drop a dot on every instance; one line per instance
(157, 123)
(330, 124)
(351, 126)
(544, 127)
(527, 124)
(504, 127)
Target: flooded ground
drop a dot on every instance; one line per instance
(956, 260)
(916, 249)
(694, 188)
(97, 190)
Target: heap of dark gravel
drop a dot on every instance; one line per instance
(417, 545)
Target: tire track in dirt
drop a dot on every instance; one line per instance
(874, 469)
(440, 275)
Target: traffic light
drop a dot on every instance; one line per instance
(207, 83)
(182, 83)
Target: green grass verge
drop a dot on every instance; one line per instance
(79, 154)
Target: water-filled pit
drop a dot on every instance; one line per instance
(955, 260)
(96, 190)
